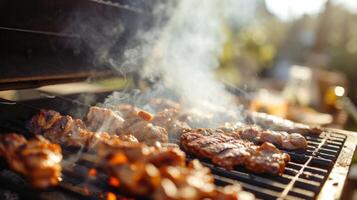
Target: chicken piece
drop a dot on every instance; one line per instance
(147, 132)
(279, 124)
(168, 119)
(144, 131)
(229, 152)
(103, 120)
(37, 159)
(127, 111)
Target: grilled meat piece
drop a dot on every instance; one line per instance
(137, 124)
(37, 159)
(161, 173)
(103, 120)
(279, 124)
(43, 120)
(68, 131)
(229, 152)
(168, 119)
(127, 111)
(143, 130)
(267, 158)
(194, 182)
(256, 134)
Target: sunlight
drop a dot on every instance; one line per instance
(290, 9)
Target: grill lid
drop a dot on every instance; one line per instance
(48, 41)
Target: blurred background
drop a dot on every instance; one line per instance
(303, 55)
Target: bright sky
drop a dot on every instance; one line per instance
(290, 9)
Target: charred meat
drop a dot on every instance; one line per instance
(37, 159)
(67, 131)
(229, 152)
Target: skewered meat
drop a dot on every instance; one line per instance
(161, 173)
(229, 152)
(103, 120)
(37, 159)
(67, 131)
(279, 124)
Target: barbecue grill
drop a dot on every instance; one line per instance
(51, 56)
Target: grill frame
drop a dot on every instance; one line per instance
(333, 183)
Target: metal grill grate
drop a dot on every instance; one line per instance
(303, 178)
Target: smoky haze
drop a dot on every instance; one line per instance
(184, 53)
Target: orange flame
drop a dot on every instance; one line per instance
(114, 181)
(111, 196)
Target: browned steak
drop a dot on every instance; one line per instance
(229, 152)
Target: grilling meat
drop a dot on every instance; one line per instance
(67, 131)
(229, 152)
(140, 126)
(255, 133)
(168, 119)
(161, 173)
(37, 159)
(103, 120)
(279, 124)
(127, 111)
(136, 124)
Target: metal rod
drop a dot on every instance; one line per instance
(40, 32)
(117, 5)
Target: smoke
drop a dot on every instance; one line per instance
(187, 52)
(180, 53)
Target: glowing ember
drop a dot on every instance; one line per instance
(118, 158)
(111, 196)
(114, 181)
(92, 172)
(145, 115)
